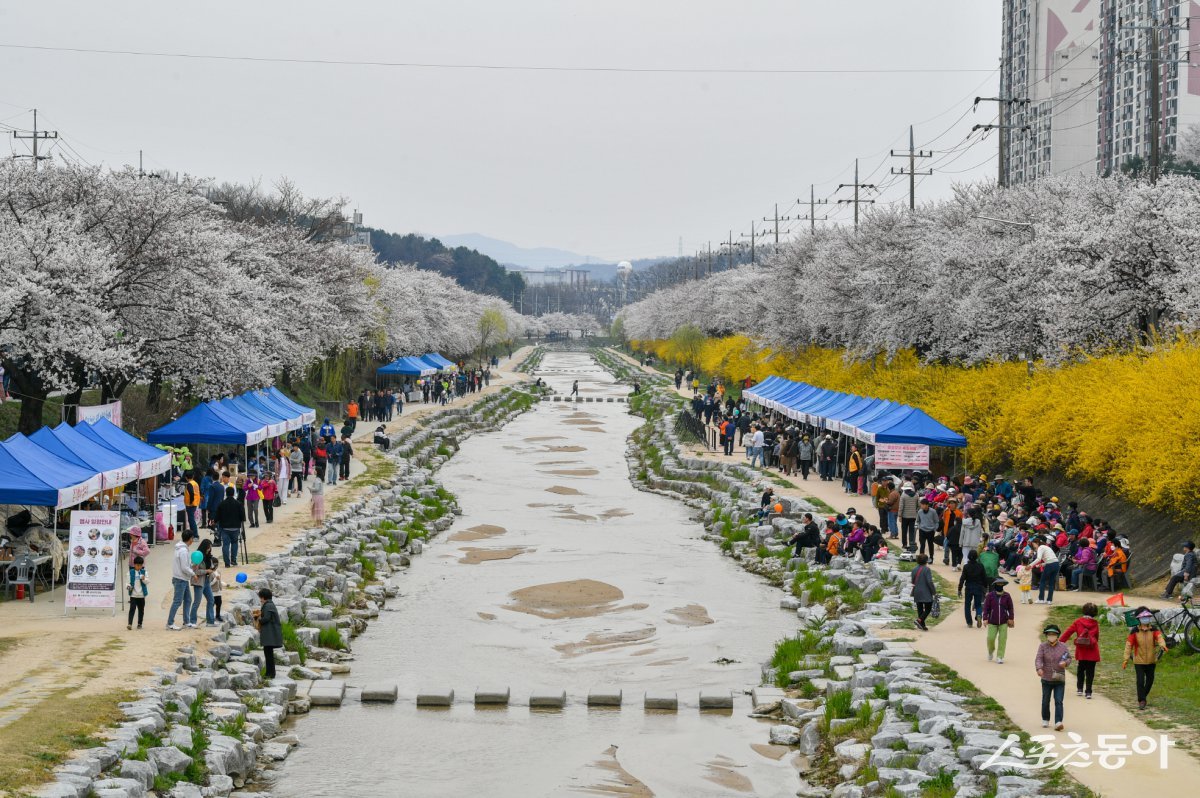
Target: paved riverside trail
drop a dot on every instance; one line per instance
(1014, 684)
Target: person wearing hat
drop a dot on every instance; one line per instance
(1143, 646)
(927, 524)
(1187, 570)
(999, 615)
(1051, 662)
(907, 507)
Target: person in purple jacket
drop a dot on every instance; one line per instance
(1051, 662)
(999, 616)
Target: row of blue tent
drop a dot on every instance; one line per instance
(413, 366)
(65, 465)
(243, 420)
(867, 419)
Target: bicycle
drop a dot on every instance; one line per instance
(1182, 625)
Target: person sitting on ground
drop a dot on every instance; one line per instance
(809, 536)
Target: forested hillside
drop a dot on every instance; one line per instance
(472, 270)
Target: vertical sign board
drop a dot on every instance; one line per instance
(89, 413)
(93, 557)
(902, 456)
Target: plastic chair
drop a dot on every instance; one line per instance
(1085, 578)
(21, 572)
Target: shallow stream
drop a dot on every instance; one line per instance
(558, 576)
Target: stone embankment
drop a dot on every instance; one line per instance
(869, 716)
(209, 724)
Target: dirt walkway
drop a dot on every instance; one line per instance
(1014, 684)
(42, 647)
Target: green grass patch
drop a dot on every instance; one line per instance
(292, 641)
(331, 638)
(790, 653)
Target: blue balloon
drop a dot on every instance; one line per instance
(241, 577)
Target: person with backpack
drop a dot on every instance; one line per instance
(1086, 632)
(974, 582)
(999, 615)
(1144, 645)
(923, 590)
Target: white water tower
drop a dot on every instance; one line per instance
(624, 269)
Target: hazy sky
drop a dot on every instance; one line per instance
(612, 164)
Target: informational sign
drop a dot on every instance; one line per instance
(93, 559)
(111, 411)
(902, 456)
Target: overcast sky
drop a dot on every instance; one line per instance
(611, 164)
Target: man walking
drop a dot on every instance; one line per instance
(827, 451)
(347, 450)
(1187, 571)
(229, 517)
(181, 581)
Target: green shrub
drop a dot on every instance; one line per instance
(292, 641)
(331, 638)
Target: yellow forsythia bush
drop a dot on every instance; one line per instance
(1128, 420)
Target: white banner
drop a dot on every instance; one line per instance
(111, 411)
(902, 455)
(93, 558)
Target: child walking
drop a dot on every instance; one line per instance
(138, 590)
(1025, 580)
(1087, 648)
(1051, 662)
(216, 585)
(1143, 645)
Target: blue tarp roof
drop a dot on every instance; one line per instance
(75, 447)
(31, 475)
(437, 361)
(307, 414)
(242, 406)
(210, 423)
(872, 420)
(151, 460)
(409, 366)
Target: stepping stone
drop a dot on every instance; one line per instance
(765, 695)
(324, 694)
(604, 697)
(665, 701)
(435, 698)
(555, 699)
(383, 693)
(714, 700)
(483, 696)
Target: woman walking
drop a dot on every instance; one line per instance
(923, 590)
(316, 486)
(296, 472)
(1051, 662)
(999, 615)
(1086, 631)
(1143, 645)
(253, 495)
(1047, 558)
(270, 629)
(269, 489)
(974, 581)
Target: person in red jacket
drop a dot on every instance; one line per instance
(1087, 648)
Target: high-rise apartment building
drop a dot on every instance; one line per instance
(1132, 32)
(1049, 88)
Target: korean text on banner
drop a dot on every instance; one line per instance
(93, 559)
(901, 455)
(111, 411)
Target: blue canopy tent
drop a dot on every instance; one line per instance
(42, 478)
(293, 419)
(211, 423)
(151, 460)
(275, 425)
(863, 407)
(853, 424)
(407, 367)
(797, 400)
(438, 362)
(915, 427)
(64, 441)
(307, 414)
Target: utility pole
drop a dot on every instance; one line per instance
(913, 154)
(856, 186)
(35, 137)
(777, 218)
(729, 244)
(813, 202)
(1005, 106)
(752, 236)
(710, 259)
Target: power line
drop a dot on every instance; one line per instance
(502, 67)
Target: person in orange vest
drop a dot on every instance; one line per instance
(352, 415)
(727, 430)
(191, 502)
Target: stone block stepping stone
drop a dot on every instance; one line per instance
(382, 693)
(715, 700)
(765, 695)
(663, 701)
(491, 696)
(548, 699)
(327, 696)
(605, 697)
(435, 698)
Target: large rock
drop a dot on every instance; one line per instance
(783, 734)
(169, 759)
(143, 772)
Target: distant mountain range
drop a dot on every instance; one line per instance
(538, 258)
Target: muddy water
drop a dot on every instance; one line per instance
(559, 581)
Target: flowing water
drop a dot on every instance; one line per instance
(559, 575)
